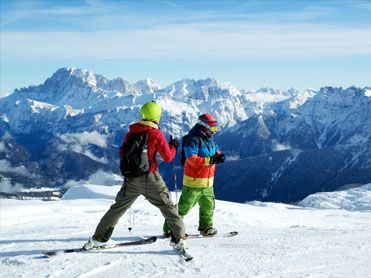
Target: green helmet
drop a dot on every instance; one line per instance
(151, 111)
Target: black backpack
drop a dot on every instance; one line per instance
(183, 157)
(134, 161)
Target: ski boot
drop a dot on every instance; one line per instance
(208, 232)
(95, 244)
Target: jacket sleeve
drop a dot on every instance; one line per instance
(167, 152)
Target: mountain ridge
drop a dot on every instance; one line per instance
(50, 123)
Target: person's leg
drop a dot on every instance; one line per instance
(158, 195)
(188, 199)
(207, 206)
(124, 199)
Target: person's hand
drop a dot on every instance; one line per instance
(173, 142)
(217, 158)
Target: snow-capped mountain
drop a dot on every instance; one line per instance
(326, 140)
(72, 125)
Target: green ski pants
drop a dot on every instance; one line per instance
(189, 198)
(154, 189)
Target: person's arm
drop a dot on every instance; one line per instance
(166, 151)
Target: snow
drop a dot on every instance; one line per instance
(275, 240)
(72, 112)
(353, 199)
(265, 97)
(4, 118)
(36, 106)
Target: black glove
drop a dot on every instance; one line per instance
(173, 142)
(217, 158)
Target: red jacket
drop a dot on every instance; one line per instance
(156, 143)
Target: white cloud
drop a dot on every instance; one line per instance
(85, 138)
(6, 136)
(232, 157)
(363, 5)
(103, 178)
(222, 40)
(5, 167)
(2, 147)
(7, 187)
(80, 142)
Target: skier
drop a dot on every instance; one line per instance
(150, 185)
(201, 155)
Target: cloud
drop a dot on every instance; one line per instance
(80, 142)
(98, 178)
(27, 10)
(232, 157)
(230, 40)
(8, 187)
(85, 138)
(6, 167)
(363, 5)
(103, 178)
(6, 136)
(118, 30)
(2, 147)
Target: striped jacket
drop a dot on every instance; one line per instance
(198, 148)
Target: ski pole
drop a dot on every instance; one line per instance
(174, 176)
(131, 220)
(175, 184)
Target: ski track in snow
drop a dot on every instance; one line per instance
(275, 240)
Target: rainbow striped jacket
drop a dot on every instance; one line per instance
(198, 148)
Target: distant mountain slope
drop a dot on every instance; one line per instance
(280, 145)
(319, 146)
(355, 199)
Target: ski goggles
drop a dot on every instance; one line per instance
(213, 128)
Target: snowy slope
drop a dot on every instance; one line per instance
(275, 240)
(353, 199)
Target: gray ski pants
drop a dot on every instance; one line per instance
(154, 189)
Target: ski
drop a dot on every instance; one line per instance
(193, 236)
(120, 244)
(229, 234)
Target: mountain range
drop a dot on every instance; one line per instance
(280, 145)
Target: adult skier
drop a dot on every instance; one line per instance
(150, 184)
(202, 154)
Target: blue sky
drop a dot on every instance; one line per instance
(251, 44)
